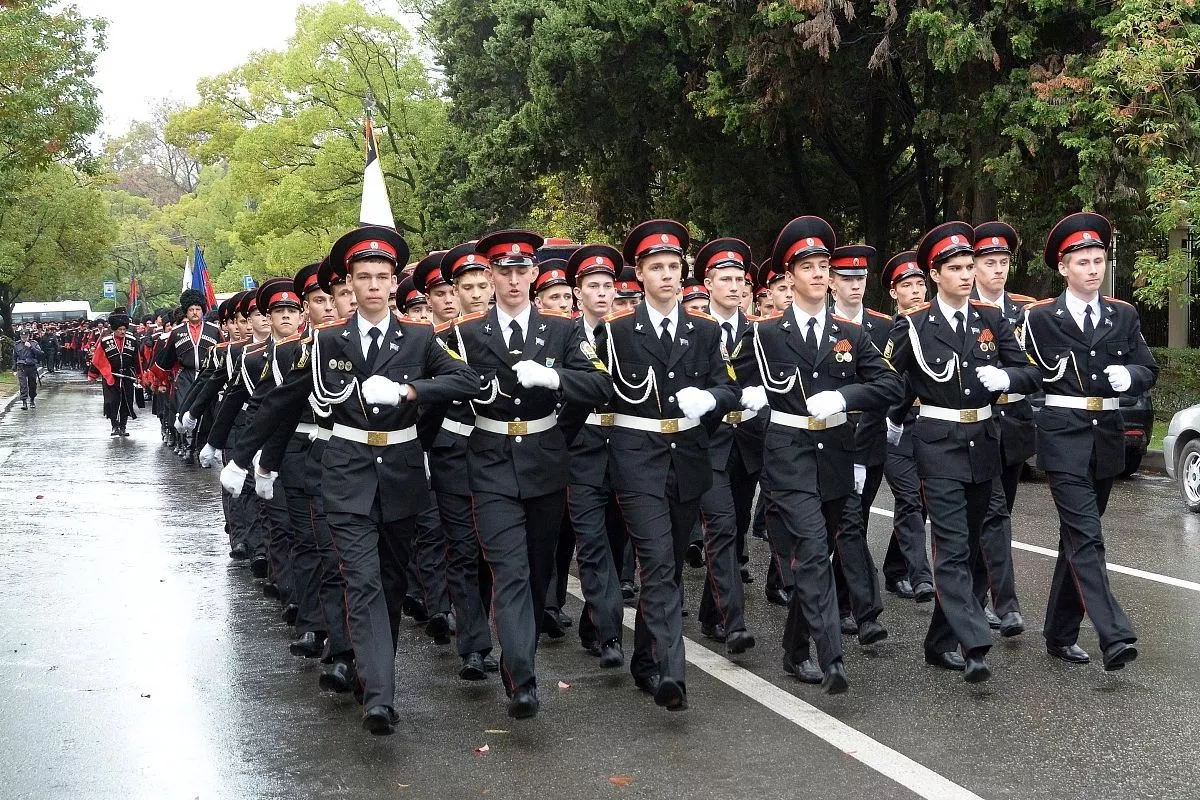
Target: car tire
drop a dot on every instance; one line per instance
(1133, 460)
(1187, 472)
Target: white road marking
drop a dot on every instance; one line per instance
(1046, 551)
(893, 765)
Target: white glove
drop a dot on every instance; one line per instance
(312, 435)
(188, 421)
(380, 391)
(894, 433)
(1118, 378)
(209, 456)
(264, 482)
(860, 478)
(824, 405)
(754, 398)
(695, 403)
(531, 374)
(993, 379)
(233, 478)
(178, 426)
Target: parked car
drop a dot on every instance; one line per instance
(1181, 454)
(1137, 414)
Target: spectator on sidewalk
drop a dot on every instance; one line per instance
(26, 356)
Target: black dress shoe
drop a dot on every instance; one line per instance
(379, 721)
(259, 566)
(871, 632)
(715, 632)
(950, 660)
(291, 612)
(115, 431)
(123, 431)
(849, 626)
(339, 678)
(564, 620)
(438, 628)
(647, 683)
(491, 663)
(806, 671)
(976, 669)
(524, 703)
(739, 642)
(778, 596)
(551, 626)
(415, 608)
(900, 588)
(835, 678)
(1012, 624)
(923, 592)
(992, 620)
(695, 555)
(1116, 656)
(628, 591)
(671, 695)
(308, 645)
(270, 590)
(592, 648)
(472, 668)
(239, 552)
(746, 576)
(1072, 653)
(611, 654)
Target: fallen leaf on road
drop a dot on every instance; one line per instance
(145, 695)
(403, 785)
(481, 750)
(564, 685)
(495, 730)
(40, 497)
(620, 780)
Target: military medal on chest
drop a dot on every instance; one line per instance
(843, 351)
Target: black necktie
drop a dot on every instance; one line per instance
(373, 349)
(665, 336)
(1089, 329)
(516, 339)
(810, 337)
(960, 327)
(728, 326)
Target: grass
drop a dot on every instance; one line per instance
(8, 379)
(1160, 430)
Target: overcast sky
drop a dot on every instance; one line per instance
(159, 48)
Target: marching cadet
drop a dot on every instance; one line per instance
(371, 369)
(906, 571)
(627, 292)
(411, 302)
(591, 504)
(858, 588)
(427, 279)
(735, 453)
(472, 281)
(551, 291)
(958, 355)
(516, 453)
(1088, 349)
(810, 368)
(694, 296)
(186, 348)
(669, 370)
(995, 242)
(115, 359)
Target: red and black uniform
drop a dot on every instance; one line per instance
(115, 360)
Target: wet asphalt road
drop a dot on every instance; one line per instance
(139, 662)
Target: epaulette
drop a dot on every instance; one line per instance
(878, 314)
(773, 315)
(1117, 300)
(545, 312)
(1022, 298)
(697, 313)
(331, 324)
(407, 321)
(753, 318)
(222, 344)
(445, 326)
(922, 307)
(253, 348)
(982, 304)
(295, 337)
(616, 315)
(1038, 303)
(470, 317)
(842, 319)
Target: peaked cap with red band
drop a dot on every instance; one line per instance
(306, 279)
(722, 253)
(627, 284)
(427, 274)
(461, 259)
(551, 272)
(330, 275)
(228, 307)
(657, 236)
(509, 248)
(369, 241)
(803, 237)
(852, 260)
(995, 237)
(900, 267)
(555, 248)
(767, 275)
(246, 303)
(945, 241)
(591, 259)
(276, 293)
(1077, 232)
(408, 295)
(694, 288)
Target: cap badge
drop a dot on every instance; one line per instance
(663, 237)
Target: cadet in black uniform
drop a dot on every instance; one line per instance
(115, 360)
(669, 369)
(527, 360)
(811, 367)
(958, 356)
(1089, 350)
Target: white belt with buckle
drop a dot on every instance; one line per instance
(965, 415)
(324, 434)
(1005, 399)
(305, 428)
(651, 425)
(374, 438)
(516, 427)
(1084, 403)
(738, 417)
(461, 428)
(604, 420)
(807, 423)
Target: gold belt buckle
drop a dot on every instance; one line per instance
(668, 426)
(817, 424)
(608, 420)
(1095, 404)
(518, 428)
(1002, 399)
(377, 438)
(968, 415)
(733, 417)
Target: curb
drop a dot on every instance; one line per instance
(6, 403)
(1153, 461)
